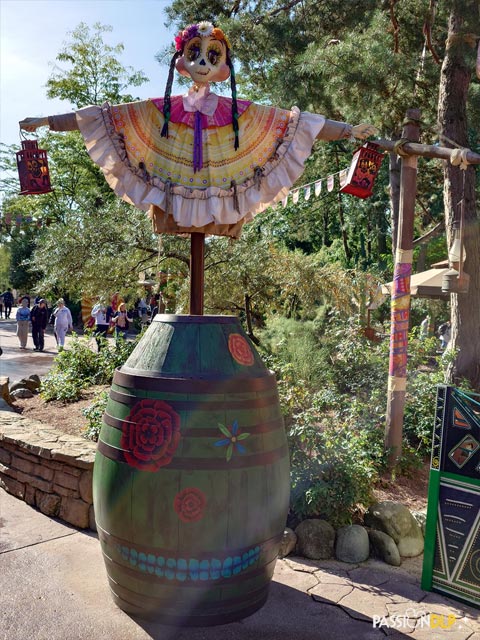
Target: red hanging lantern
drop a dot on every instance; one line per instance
(363, 171)
(32, 167)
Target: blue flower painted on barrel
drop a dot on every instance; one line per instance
(231, 440)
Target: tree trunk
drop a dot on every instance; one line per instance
(465, 308)
(248, 319)
(346, 248)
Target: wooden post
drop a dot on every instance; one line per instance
(400, 305)
(427, 151)
(197, 265)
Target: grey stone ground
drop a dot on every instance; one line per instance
(53, 586)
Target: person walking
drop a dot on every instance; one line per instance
(425, 328)
(39, 318)
(99, 312)
(1, 306)
(444, 333)
(142, 311)
(23, 323)
(8, 302)
(63, 322)
(122, 322)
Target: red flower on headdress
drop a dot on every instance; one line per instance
(179, 42)
(150, 435)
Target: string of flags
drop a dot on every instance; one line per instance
(9, 220)
(358, 180)
(315, 187)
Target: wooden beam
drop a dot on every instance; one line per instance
(400, 303)
(426, 150)
(197, 264)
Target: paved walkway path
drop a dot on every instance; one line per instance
(17, 363)
(53, 584)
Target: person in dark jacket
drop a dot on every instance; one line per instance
(7, 302)
(39, 319)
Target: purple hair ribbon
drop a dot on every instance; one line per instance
(197, 143)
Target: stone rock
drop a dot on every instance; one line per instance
(91, 518)
(288, 542)
(21, 393)
(35, 379)
(5, 391)
(85, 486)
(384, 547)
(421, 518)
(25, 383)
(395, 520)
(352, 544)
(411, 546)
(315, 539)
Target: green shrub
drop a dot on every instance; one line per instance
(80, 366)
(94, 414)
(335, 479)
(296, 349)
(63, 386)
(334, 403)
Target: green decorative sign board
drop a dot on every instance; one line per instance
(451, 562)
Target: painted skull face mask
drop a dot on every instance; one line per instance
(204, 59)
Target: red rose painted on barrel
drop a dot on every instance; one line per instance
(189, 504)
(240, 349)
(151, 433)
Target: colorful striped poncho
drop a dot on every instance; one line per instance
(194, 179)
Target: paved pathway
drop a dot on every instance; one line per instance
(53, 584)
(17, 363)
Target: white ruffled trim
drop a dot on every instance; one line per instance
(199, 207)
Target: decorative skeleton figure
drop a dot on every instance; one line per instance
(200, 162)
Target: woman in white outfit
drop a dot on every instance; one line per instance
(63, 322)
(99, 312)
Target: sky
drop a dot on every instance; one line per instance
(32, 33)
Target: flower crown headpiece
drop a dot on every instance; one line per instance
(203, 29)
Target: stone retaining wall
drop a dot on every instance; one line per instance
(47, 468)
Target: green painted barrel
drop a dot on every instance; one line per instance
(191, 476)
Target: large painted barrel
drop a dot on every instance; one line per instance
(191, 476)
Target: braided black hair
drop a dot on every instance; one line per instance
(166, 97)
(233, 86)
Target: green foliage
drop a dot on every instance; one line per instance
(333, 387)
(63, 386)
(4, 264)
(78, 367)
(94, 414)
(94, 73)
(336, 479)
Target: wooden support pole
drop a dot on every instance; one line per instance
(197, 265)
(427, 151)
(400, 305)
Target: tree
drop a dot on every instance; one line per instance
(86, 240)
(95, 73)
(370, 61)
(459, 185)
(355, 61)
